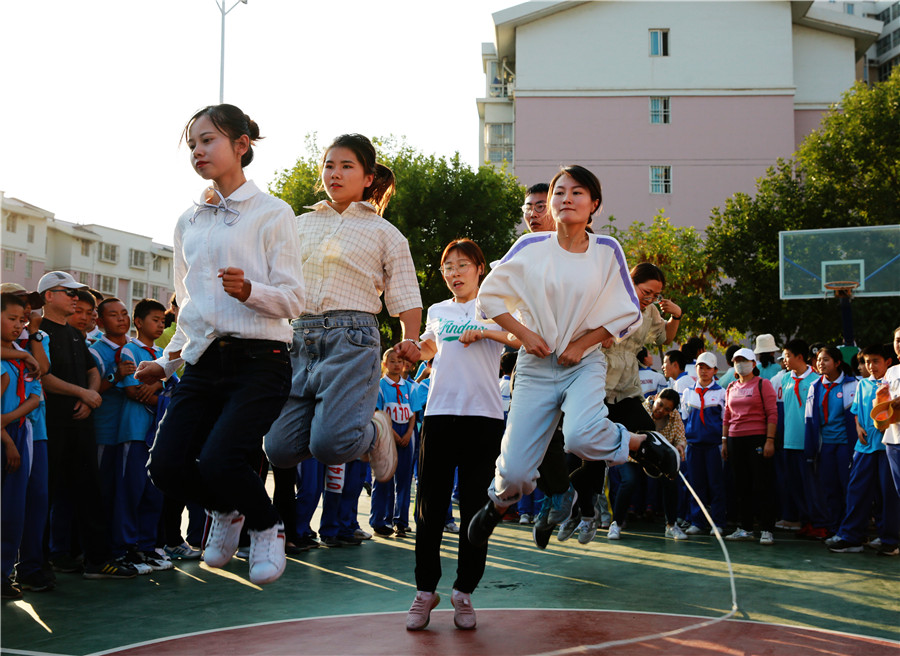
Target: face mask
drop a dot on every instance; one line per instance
(743, 368)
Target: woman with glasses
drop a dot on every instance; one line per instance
(624, 395)
(238, 282)
(462, 429)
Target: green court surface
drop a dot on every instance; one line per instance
(794, 582)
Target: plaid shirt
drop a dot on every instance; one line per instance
(349, 259)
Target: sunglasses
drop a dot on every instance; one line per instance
(71, 293)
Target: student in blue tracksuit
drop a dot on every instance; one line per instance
(20, 396)
(396, 397)
(802, 500)
(701, 409)
(652, 382)
(870, 476)
(138, 506)
(107, 351)
(831, 431)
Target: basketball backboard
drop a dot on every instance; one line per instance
(868, 256)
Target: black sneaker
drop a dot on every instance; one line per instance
(543, 529)
(383, 531)
(11, 590)
(401, 531)
(888, 550)
(330, 541)
(843, 546)
(349, 540)
(111, 569)
(657, 456)
(483, 524)
(307, 542)
(36, 582)
(562, 506)
(67, 564)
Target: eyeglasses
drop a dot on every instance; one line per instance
(71, 293)
(652, 298)
(461, 268)
(537, 208)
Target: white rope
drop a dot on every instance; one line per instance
(581, 649)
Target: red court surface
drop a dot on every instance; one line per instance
(515, 632)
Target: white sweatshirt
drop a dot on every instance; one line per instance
(562, 295)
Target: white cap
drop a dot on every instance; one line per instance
(709, 359)
(744, 353)
(57, 279)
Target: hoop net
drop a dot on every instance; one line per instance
(841, 288)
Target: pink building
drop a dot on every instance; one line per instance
(674, 105)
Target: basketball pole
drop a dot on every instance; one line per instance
(847, 320)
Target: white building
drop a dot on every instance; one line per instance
(674, 105)
(114, 262)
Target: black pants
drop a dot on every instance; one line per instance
(588, 479)
(472, 445)
(214, 426)
(754, 478)
(74, 475)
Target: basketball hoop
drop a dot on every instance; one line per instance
(841, 288)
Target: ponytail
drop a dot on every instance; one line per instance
(382, 188)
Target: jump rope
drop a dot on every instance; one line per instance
(581, 649)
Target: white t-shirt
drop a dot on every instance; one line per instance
(892, 379)
(463, 379)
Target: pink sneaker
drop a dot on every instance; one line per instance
(464, 614)
(420, 612)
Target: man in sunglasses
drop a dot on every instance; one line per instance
(71, 390)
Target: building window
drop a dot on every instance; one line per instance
(659, 110)
(157, 263)
(85, 248)
(30, 234)
(137, 259)
(9, 260)
(660, 179)
(497, 87)
(107, 285)
(659, 43)
(11, 223)
(881, 46)
(156, 292)
(84, 278)
(109, 253)
(498, 142)
(849, 8)
(138, 290)
(29, 268)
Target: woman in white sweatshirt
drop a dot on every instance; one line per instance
(572, 291)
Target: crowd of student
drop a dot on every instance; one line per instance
(104, 447)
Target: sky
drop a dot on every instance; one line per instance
(95, 95)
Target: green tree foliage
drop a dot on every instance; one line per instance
(846, 173)
(681, 255)
(438, 199)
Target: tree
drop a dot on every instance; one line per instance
(681, 254)
(438, 199)
(846, 173)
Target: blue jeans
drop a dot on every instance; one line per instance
(328, 415)
(545, 390)
(213, 428)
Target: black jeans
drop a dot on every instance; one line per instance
(754, 479)
(588, 479)
(472, 445)
(214, 427)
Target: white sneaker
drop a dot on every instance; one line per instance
(740, 535)
(525, 518)
(721, 530)
(451, 527)
(766, 538)
(383, 454)
(362, 535)
(614, 532)
(587, 529)
(223, 538)
(874, 544)
(675, 532)
(693, 529)
(267, 559)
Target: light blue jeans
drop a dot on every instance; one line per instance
(336, 366)
(544, 389)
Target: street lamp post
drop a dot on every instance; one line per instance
(221, 6)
